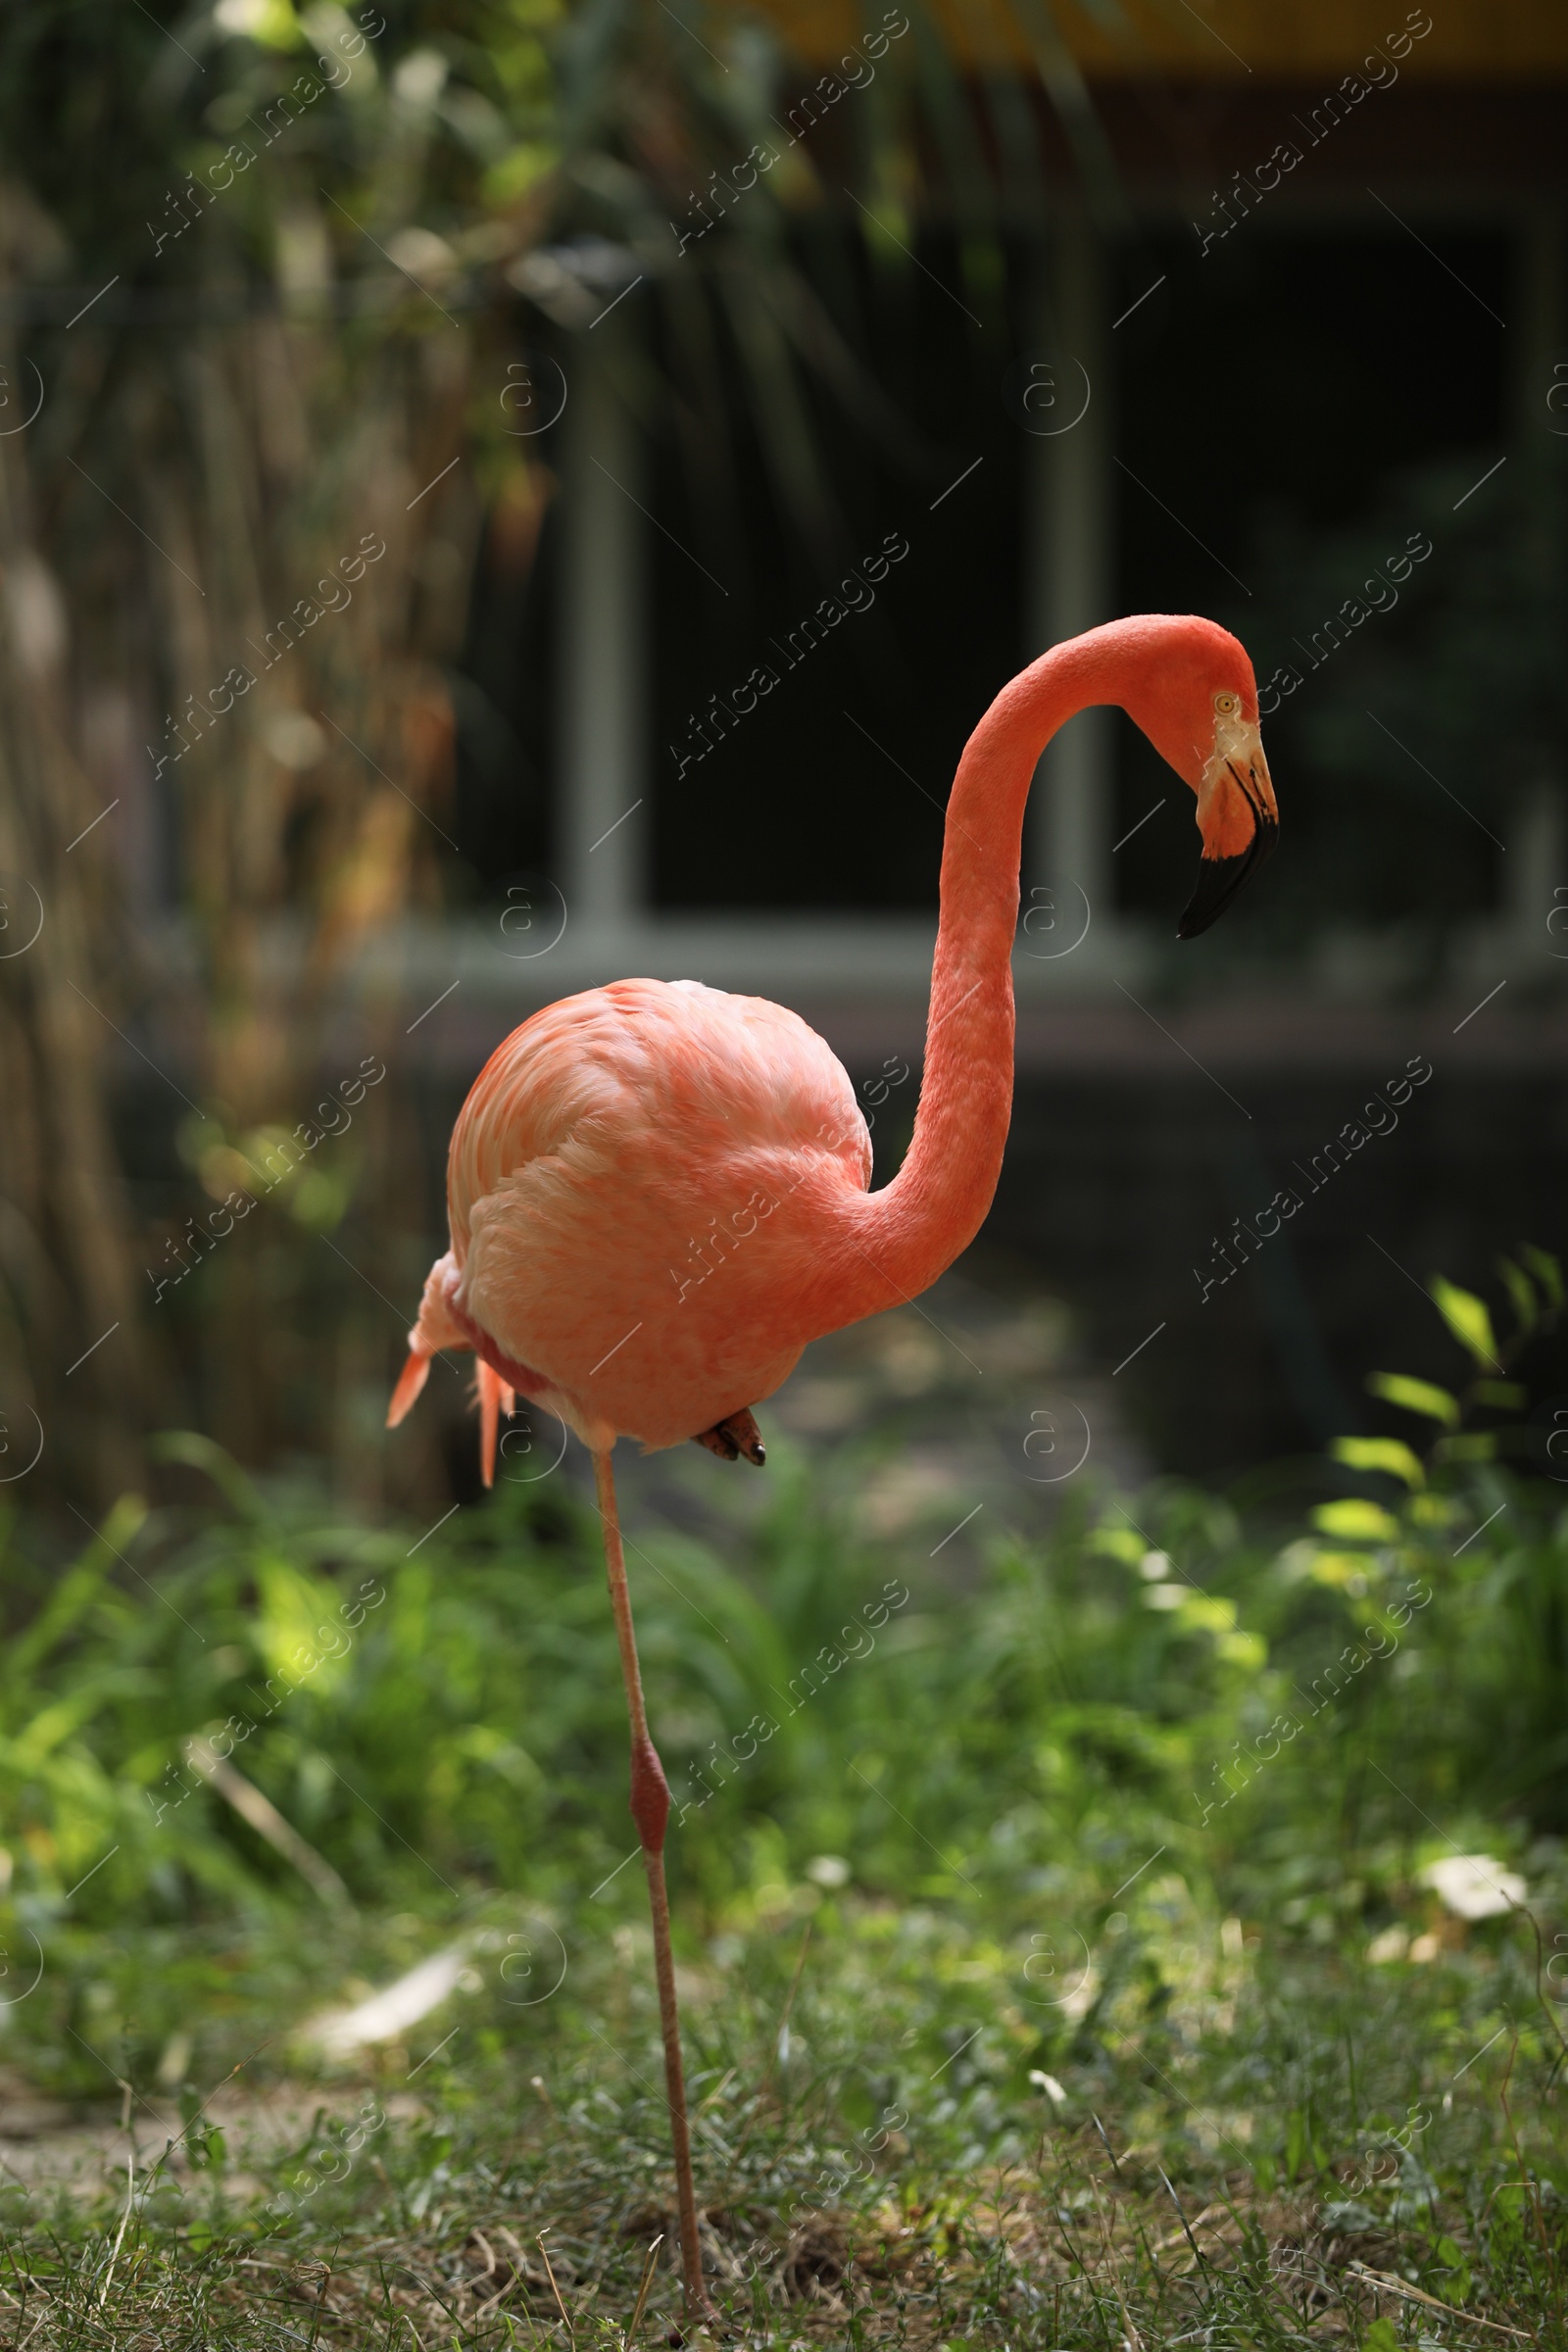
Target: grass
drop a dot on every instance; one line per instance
(1225, 2173)
(1061, 1961)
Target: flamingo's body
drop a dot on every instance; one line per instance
(641, 1181)
(657, 1193)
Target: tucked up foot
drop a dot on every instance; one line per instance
(735, 1434)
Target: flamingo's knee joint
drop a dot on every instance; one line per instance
(650, 1795)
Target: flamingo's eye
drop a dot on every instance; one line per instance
(1226, 706)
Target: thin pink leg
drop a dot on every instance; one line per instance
(650, 1810)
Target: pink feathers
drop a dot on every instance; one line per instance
(411, 1381)
(657, 1193)
(637, 1188)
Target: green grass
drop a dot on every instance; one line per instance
(1024, 1905)
(895, 2177)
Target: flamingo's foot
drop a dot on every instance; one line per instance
(735, 1434)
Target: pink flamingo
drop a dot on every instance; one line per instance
(657, 1193)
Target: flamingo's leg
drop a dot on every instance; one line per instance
(650, 1809)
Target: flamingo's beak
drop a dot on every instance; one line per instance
(1238, 819)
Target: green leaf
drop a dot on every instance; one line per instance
(1472, 1446)
(1467, 1318)
(1545, 1270)
(74, 1592)
(1380, 2337)
(1521, 1291)
(1456, 2286)
(1506, 1394)
(1119, 1543)
(1297, 2142)
(1416, 1397)
(194, 1451)
(1380, 1453)
(1354, 1520)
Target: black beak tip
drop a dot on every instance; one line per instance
(1218, 881)
(1220, 878)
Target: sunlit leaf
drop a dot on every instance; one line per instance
(1119, 1543)
(1341, 1571)
(1380, 1453)
(1352, 1519)
(1209, 1610)
(1467, 1318)
(1415, 1396)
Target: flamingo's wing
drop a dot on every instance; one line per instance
(599, 1140)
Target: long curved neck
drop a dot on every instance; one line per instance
(904, 1236)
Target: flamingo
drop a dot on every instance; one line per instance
(657, 1192)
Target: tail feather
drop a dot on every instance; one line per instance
(435, 1329)
(494, 1398)
(416, 1372)
(441, 1325)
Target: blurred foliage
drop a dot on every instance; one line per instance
(1290, 1719)
(1104, 1866)
(276, 267)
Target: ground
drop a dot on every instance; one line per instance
(1107, 1913)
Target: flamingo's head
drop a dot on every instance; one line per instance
(1198, 708)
